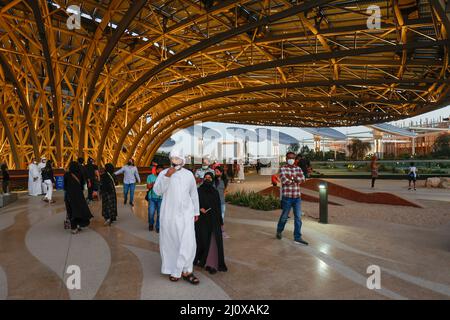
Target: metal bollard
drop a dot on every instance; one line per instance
(323, 202)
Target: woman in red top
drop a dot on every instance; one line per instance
(374, 170)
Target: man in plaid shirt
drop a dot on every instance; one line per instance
(291, 176)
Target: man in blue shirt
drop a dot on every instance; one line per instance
(130, 177)
(154, 201)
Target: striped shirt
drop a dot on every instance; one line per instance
(291, 177)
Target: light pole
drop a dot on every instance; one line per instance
(323, 202)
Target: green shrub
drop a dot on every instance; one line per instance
(253, 200)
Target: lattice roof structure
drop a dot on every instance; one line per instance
(135, 71)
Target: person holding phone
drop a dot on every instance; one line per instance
(208, 228)
(179, 209)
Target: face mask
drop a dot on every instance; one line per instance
(130, 163)
(176, 166)
(205, 167)
(291, 161)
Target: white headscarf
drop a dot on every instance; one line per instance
(178, 154)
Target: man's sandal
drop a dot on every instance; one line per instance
(173, 279)
(191, 278)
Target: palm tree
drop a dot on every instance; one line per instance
(358, 149)
(293, 147)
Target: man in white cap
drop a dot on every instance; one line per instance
(179, 211)
(34, 179)
(41, 166)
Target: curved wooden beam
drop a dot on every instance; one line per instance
(217, 39)
(203, 45)
(56, 98)
(184, 123)
(12, 141)
(87, 59)
(214, 117)
(443, 16)
(290, 85)
(258, 67)
(23, 101)
(232, 104)
(133, 10)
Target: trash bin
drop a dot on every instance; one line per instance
(59, 182)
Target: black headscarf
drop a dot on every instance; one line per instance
(209, 223)
(74, 167)
(109, 168)
(206, 185)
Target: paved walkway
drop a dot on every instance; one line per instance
(123, 262)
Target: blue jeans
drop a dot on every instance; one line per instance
(222, 207)
(286, 205)
(154, 207)
(130, 187)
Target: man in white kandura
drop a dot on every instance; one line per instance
(34, 179)
(179, 210)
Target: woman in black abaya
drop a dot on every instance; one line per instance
(77, 209)
(208, 228)
(109, 198)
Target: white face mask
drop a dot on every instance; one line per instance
(291, 161)
(177, 164)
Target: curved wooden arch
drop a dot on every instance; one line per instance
(23, 101)
(184, 123)
(12, 141)
(124, 23)
(227, 107)
(256, 67)
(54, 86)
(232, 107)
(217, 39)
(291, 85)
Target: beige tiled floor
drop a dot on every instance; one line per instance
(123, 261)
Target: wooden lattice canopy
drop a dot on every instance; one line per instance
(135, 71)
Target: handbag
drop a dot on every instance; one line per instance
(146, 196)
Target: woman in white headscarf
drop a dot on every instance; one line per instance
(179, 210)
(241, 175)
